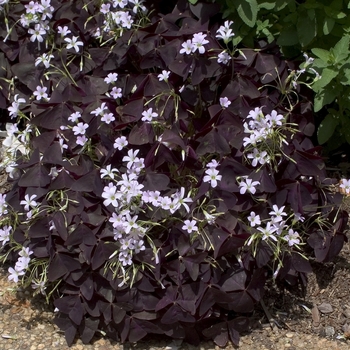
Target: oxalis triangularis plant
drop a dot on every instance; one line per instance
(161, 175)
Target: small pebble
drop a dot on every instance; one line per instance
(329, 331)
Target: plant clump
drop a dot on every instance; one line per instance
(161, 175)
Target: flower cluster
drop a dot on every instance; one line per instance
(276, 229)
(37, 14)
(21, 265)
(120, 15)
(225, 32)
(14, 109)
(124, 193)
(196, 43)
(15, 141)
(212, 174)
(265, 139)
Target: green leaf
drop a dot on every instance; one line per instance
(281, 4)
(334, 13)
(326, 128)
(267, 5)
(327, 76)
(193, 2)
(306, 28)
(288, 36)
(247, 10)
(328, 25)
(345, 78)
(324, 55)
(324, 97)
(341, 48)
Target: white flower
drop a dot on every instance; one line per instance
(164, 75)
(110, 195)
(32, 7)
(345, 184)
(308, 60)
(131, 158)
(46, 9)
(130, 222)
(29, 202)
(251, 140)
(127, 21)
(198, 42)
(187, 47)
(258, 157)
(149, 115)
(3, 204)
(14, 274)
(105, 8)
(74, 43)
(108, 118)
(292, 237)
(248, 185)
(100, 110)
(274, 118)
(254, 219)
(165, 203)
(212, 164)
(225, 35)
(179, 199)
(212, 177)
(120, 3)
(277, 213)
(224, 57)
(224, 102)
(139, 245)
(120, 143)
(81, 140)
(5, 234)
(268, 231)
(125, 259)
(39, 286)
(155, 198)
(74, 116)
(22, 263)
(111, 78)
(108, 172)
(25, 252)
(115, 93)
(80, 128)
(37, 33)
(40, 93)
(44, 59)
(63, 31)
(189, 226)
(255, 114)
(224, 32)
(137, 6)
(299, 217)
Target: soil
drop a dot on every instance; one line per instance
(317, 318)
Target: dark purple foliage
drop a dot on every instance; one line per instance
(194, 291)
